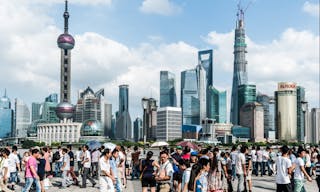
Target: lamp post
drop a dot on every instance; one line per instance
(304, 107)
(144, 103)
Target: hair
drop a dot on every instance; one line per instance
(253, 147)
(149, 155)
(6, 151)
(14, 148)
(243, 149)
(186, 149)
(69, 147)
(86, 146)
(196, 168)
(105, 151)
(45, 149)
(213, 162)
(135, 148)
(204, 151)
(79, 148)
(233, 148)
(164, 152)
(284, 149)
(258, 148)
(34, 151)
(115, 151)
(222, 154)
(65, 150)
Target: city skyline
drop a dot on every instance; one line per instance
(118, 60)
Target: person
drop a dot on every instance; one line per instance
(284, 170)
(106, 178)
(79, 159)
(147, 173)
(14, 167)
(229, 171)
(114, 168)
(300, 171)
(128, 161)
(31, 174)
(165, 173)
(57, 158)
(71, 170)
(241, 168)
(201, 181)
(135, 163)
(193, 158)
(65, 168)
(249, 170)
(86, 163)
(195, 170)
(47, 158)
(95, 155)
(317, 169)
(4, 170)
(185, 166)
(233, 156)
(259, 164)
(254, 160)
(41, 169)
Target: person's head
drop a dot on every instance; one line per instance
(194, 157)
(135, 148)
(301, 152)
(35, 153)
(106, 153)
(233, 148)
(184, 164)
(59, 147)
(115, 153)
(205, 164)
(149, 154)
(253, 147)
(186, 150)
(45, 149)
(14, 148)
(216, 150)
(164, 156)
(69, 147)
(284, 150)
(222, 154)
(227, 154)
(258, 148)
(85, 147)
(204, 152)
(5, 152)
(243, 149)
(64, 151)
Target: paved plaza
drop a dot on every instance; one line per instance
(260, 184)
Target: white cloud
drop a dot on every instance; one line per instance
(161, 7)
(311, 8)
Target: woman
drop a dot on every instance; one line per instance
(201, 181)
(106, 178)
(41, 170)
(147, 173)
(46, 156)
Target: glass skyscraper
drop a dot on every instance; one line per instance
(22, 118)
(52, 98)
(300, 115)
(190, 98)
(35, 111)
(268, 113)
(6, 117)
(240, 75)
(123, 122)
(246, 94)
(217, 105)
(137, 129)
(168, 97)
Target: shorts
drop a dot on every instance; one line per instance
(41, 177)
(249, 175)
(148, 182)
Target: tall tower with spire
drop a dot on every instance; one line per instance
(65, 42)
(240, 75)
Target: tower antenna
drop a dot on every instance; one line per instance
(66, 17)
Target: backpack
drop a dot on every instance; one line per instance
(56, 156)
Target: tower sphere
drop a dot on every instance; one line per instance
(65, 41)
(65, 110)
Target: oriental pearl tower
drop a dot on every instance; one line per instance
(65, 110)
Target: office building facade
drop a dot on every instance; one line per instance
(123, 120)
(35, 111)
(315, 125)
(168, 97)
(168, 124)
(246, 94)
(137, 129)
(217, 105)
(149, 118)
(300, 114)
(6, 117)
(22, 119)
(202, 91)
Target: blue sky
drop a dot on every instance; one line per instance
(130, 41)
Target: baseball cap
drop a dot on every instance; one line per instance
(179, 147)
(194, 153)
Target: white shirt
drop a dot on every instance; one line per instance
(241, 160)
(78, 155)
(167, 168)
(186, 177)
(13, 160)
(66, 159)
(233, 156)
(298, 174)
(283, 164)
(5, 164)
(88, 157)
(104, 165)
(95, 156)
(259, 156)
(253, 155)
(265, 156)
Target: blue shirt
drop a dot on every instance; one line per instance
(113, 165)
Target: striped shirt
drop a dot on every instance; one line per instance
(248, 158)
(318, 169)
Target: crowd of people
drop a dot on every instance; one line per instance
(178, 169)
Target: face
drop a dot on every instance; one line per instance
(163, 157)
(179, 151)
(116, 154)
(302, 154)
(207, 167)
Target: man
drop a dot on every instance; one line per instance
(86, 163)
(57, 158)
(254, 160)
(241, 170)
(79, 159)
(300, 171)
(233, 156)
(4, 170)
(14, 163)
(249, 169)
(95, 156)
(106, 178)
(65, 168)
(284, 170)
(71, 170)
(177, 175)
(31, 172)
(135, 163)
(114, 168)
(164, 175)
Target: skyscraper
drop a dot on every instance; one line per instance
(246, 94)
(315, 124)
(202, 91)
(190, 98)
(65, 42)
(300, 114)
(149, 118)
(108, 120)
(137, 129)
(22, 118)
(6, 117)
(286, 111)
(52, 98)
(123, 122)
(205, 60)
(240, 75)
(264, 100)
(36, 113)
(169, 124)
(168, 97)
(217, 105)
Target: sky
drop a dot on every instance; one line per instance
(130, 41)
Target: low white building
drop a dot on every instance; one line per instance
(59, 132)
(169, 125)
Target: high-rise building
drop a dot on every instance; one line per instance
(240, 75)
(202, 91)
(169, 124)
(286, 111)
(268, 110)
(52, 98)
(49, 114)
(22, 119)
(205, 60)
(190, 98)
(246, 94)
(149, 118)
(65, 42)
(36, 111)
(300, 114)
(315, 125)
(123, 122)
(251, 115)
(137, 129)
(168, 97)
(108, 120)
(6, 117)
(217, 105)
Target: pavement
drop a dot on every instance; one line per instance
(260, 184)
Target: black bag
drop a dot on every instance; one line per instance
(56, 156)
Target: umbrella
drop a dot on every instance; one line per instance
(188, 144)
(93, 144)
(159, 144)
(110, 146)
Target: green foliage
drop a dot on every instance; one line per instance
(30, 143)
(56, 144)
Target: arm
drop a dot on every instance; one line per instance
(34, 172)
(5, 173)
(305, 173)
